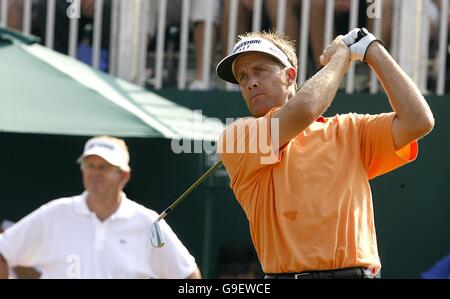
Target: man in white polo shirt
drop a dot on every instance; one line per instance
(98, 234)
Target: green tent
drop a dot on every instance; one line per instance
(45, 92)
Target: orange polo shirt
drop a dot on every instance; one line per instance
(311, 208)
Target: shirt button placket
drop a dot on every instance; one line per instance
(100, 235)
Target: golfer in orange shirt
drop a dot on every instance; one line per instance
(302, 179)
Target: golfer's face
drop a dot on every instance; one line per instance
(263, 82)
(99, 176)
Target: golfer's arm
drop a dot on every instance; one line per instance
(413, 115)
(3, 268)
(196, 274)
(313, 98)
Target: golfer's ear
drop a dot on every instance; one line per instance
(291, 75)
(125, 176)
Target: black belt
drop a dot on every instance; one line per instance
(344, 273)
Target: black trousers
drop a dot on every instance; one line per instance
(344, 273)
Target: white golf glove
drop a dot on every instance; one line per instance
(359, 40)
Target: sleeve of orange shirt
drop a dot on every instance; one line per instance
(245, 147)
(377, 147)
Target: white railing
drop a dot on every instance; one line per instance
(130, 23)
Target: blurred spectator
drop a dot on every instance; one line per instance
(434, 9)
(317, 20)
(98, 234)
(198, 17)
(238, 260)
(85, 25)
(433, 16)
(440, 270)
(61, 28)
(85, 49)
(15, 12)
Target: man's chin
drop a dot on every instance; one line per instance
(97, 190)
(260, 112)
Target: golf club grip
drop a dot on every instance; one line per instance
(361, 34)
(190, 189)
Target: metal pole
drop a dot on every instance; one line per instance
(443, 44)
(304, 39)
(329, 21)
(50, 26)
(424, 51)
(257, 15)
(73, 37)
(26, 25)
(160, 39)
(97, 39)
(231, 32)
(350, 83)
(142, 42)
(114, 37)
(281, 16)
(377, 32)
(184, 41)
(207, 38)
(4, 15)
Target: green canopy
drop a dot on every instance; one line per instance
(45, 92)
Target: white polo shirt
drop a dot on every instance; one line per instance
(64, 239)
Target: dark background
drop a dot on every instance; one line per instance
(412, 204)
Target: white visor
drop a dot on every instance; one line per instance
(252, 44)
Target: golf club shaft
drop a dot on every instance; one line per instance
(189, 190)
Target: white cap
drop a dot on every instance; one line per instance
(251, 44)
(111, 149)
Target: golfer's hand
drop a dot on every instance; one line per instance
(359, 40)
(336, 48)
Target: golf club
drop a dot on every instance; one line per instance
(157, 237)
